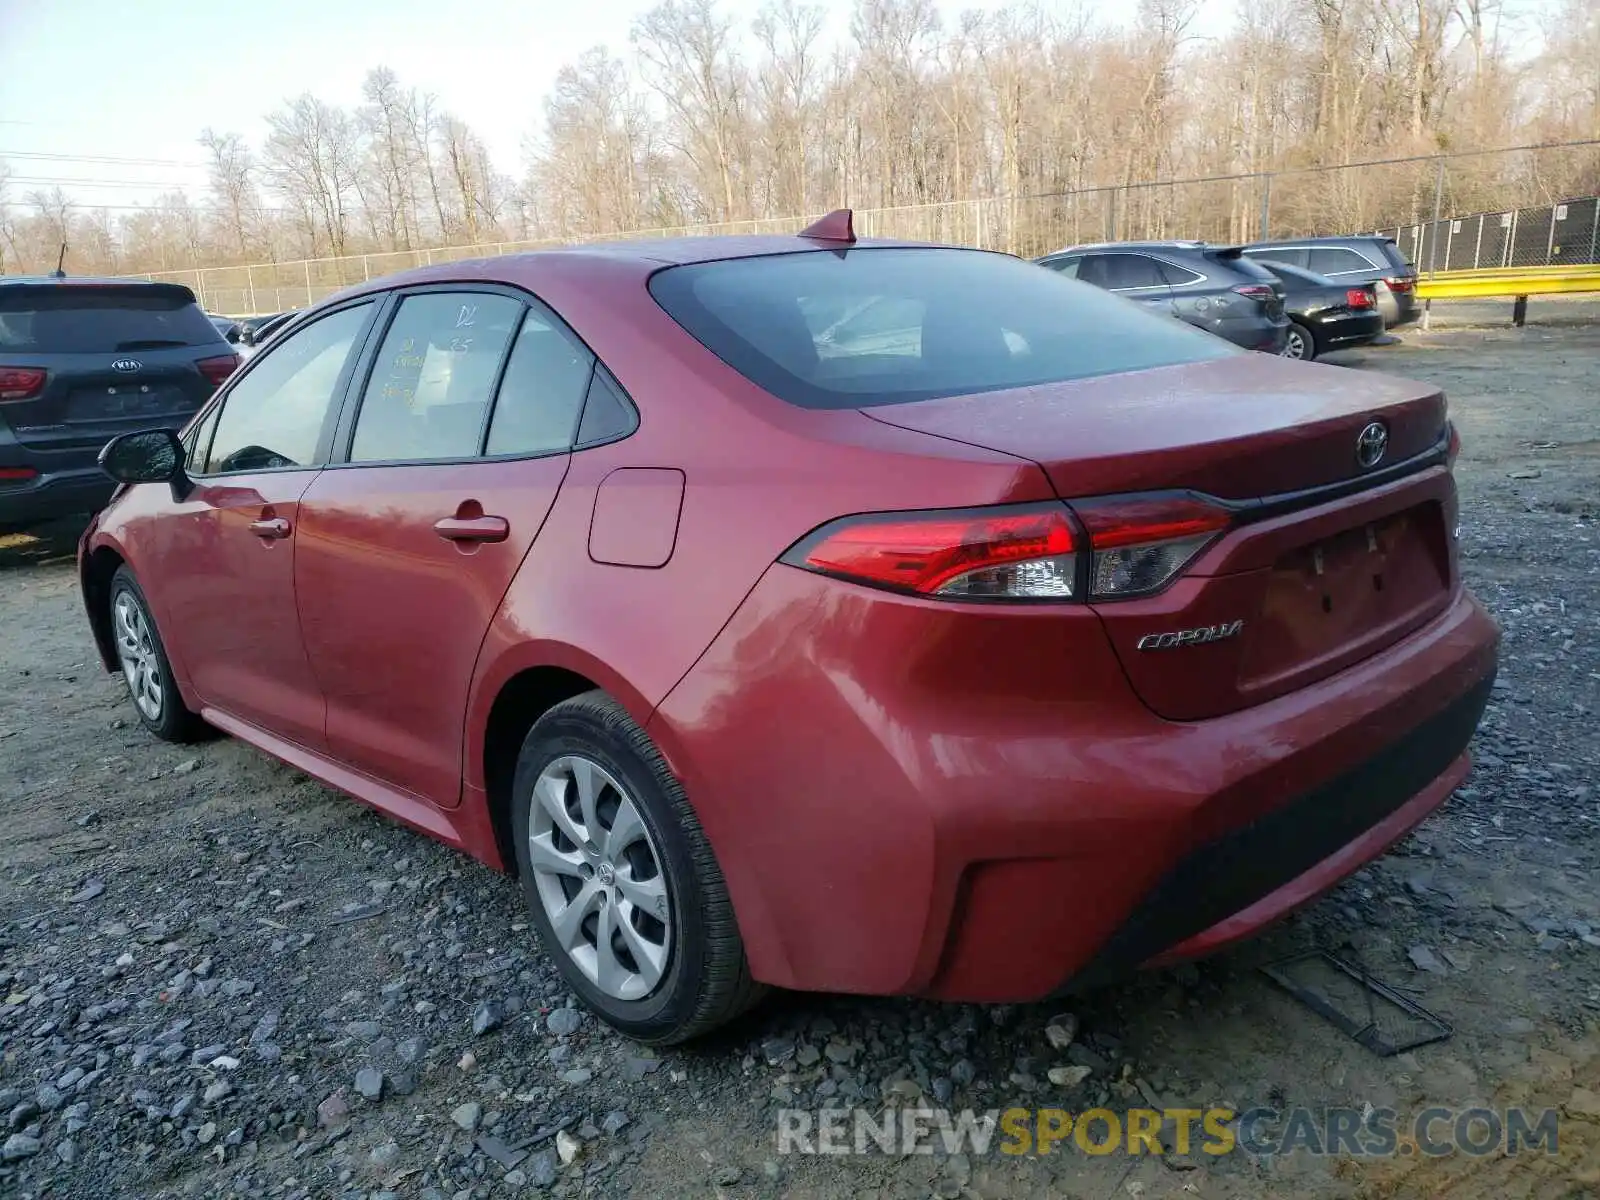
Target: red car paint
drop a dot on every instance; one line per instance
(905, 794)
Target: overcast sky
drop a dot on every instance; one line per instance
(139, 79)
(82, 80)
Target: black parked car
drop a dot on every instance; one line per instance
(262, 328)
(231, 330)
(1327, 314)
(1371, 259)
(82, 360)
(1213, 287)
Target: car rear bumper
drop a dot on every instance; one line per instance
(1251, 333)
(1404, 308)
(56, 494)
(1350, 329)
(894, 813)
(1250, 877)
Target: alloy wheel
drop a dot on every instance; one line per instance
(136, 650)
(599, 877)
(1296, 346)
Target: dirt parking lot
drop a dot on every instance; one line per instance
(220, 979)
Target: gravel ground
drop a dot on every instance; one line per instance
(218, 978)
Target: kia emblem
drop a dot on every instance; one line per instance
(1371, 444)
(126, 365)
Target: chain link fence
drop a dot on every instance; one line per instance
(1528, 206)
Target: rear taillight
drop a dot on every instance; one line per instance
(1358, 298)
(1400, 285)
(1140, 543)
(21, 383)
(17, 474)
(1454, 451)
(1259, 292)
(219, 368)
(1135, 545)
(958, 554)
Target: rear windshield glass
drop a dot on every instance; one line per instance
(888, 325)
(1243, 265)
(68, 320)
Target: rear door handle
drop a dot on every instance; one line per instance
(473, 529)
(270, 528)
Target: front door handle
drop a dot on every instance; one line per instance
(473, 529)
(270, 528)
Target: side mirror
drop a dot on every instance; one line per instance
(148, 456)
(247, 337)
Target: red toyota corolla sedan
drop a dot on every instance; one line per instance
(803, 611)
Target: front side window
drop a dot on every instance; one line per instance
(1065, 266)
(890, 325)
(433, 377)
(198, 440)
(274, 416)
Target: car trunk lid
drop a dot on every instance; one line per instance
(1238, 428)
(1329, 559)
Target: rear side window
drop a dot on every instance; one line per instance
(1241, 265)
(1131, 271)
(431, 382)
(1331, 260)
(1295, 256)
(607, 413)
(546, 378)
(62, 319)
(889, 325)
(1395, 255)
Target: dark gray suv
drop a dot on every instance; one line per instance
(1371, 259)
(1213, 287)
(82, 360)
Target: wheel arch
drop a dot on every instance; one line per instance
(521, 700)
(95, 573)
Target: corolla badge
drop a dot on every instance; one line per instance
(126, 365)
(1189, 637)
(1371, 444)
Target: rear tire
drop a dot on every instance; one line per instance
(145, 667)
(620, 880)
(1300, 343)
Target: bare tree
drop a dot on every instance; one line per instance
(233, 187)
(389, 119)
(788, 86)
(690, 61)
(1020, 127)
(311, 159)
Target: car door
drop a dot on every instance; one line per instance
(452, 456)
(226, 569)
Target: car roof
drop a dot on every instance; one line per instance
(87, 281)
(1168, 244)
(596, 266)
(1330, 239)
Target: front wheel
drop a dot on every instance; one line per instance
(145, 668)
(620, 880)
(1299, 343)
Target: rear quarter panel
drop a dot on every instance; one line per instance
(758, 474)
